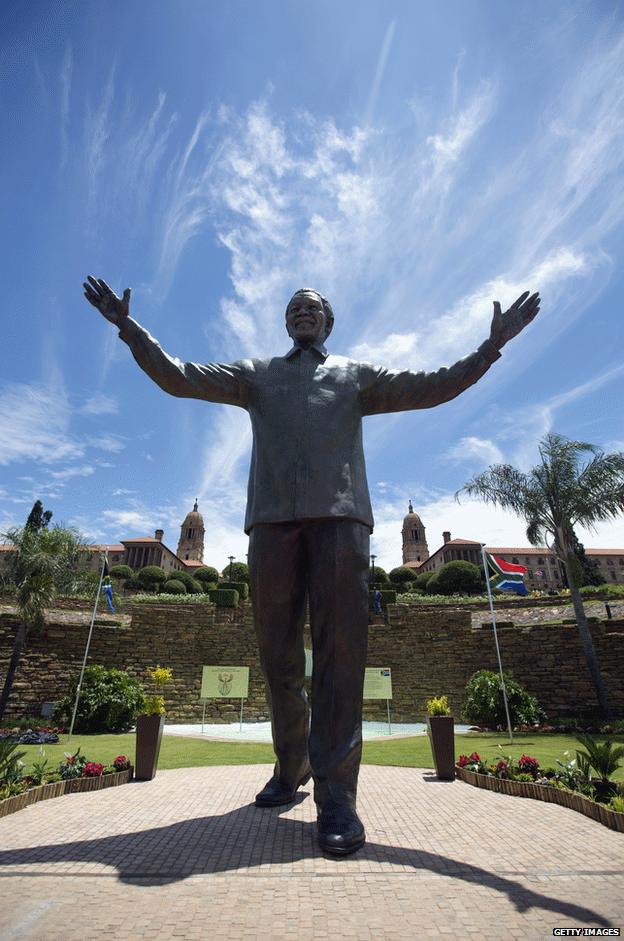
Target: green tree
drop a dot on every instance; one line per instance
(206, 574)
(421, 581)
(37, 518)
(589, 571)
(239, 572)
(575, 484)
(381, 576)
(45, 565)
(459, 577)
(401, 574)
(151, 577)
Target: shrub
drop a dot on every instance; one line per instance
(600, 591)
(401, 575)
(109, 701)
(169, 598)
(485, 704)
(224, 597)
(121, 571)
(431, 585)
(10, 762)
(206, 575)
(239, 573)
(174, 587)
(151, 577)
(421, 581)
(132, 582)
(381, 576)
(459, 577)
(192, 585)
(241, 587)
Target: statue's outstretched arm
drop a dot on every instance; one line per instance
(384, 390)
(215, 382)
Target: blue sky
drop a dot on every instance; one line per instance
(412, 161)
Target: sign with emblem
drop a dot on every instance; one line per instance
(224, 683)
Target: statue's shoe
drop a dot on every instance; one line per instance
(340, 831)
(275, 792)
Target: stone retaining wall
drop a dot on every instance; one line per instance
(430, 653)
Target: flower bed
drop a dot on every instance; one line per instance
(73, 775)
(56, 789)
(494, 778)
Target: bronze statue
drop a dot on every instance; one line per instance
(309, 521)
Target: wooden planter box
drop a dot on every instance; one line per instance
(578, 802)
(73, 786)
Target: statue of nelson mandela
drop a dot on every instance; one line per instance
(309, 521)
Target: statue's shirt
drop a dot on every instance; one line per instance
(306, 410)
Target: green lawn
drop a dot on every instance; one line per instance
(415, 752)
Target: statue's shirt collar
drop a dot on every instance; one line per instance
(318, 347)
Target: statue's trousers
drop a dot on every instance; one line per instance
(327, 561)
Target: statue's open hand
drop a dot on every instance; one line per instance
(508, 325)
(114, 308)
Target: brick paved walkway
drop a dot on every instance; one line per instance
(188, 856)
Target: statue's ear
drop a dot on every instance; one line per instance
(329, 327)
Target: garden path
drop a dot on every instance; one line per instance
(187, 855)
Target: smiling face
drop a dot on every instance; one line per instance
(306, 320)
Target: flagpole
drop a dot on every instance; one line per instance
(84, 662)
(500, 665)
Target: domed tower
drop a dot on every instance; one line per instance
(191, 544)
(415, 548)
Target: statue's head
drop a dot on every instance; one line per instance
(309, 316)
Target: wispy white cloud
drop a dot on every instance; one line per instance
(98, 129)
(34, 425)
(65, 78)
(85, 470)
(379, 71)
(470, 448)
(106, 442)
(100, 405)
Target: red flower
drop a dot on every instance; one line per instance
(475, 756)
(527, 764)
(463, 760)
(92, 769)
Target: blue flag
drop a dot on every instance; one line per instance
(108, 591)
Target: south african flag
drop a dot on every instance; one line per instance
(506, 575)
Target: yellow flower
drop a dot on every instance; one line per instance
(161, 675)
(438, 706)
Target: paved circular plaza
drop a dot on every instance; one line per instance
(187, 855)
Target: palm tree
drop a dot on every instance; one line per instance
(562, 492)
(45, 565)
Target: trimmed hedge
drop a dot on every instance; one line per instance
(206, 574)
(192, 585)
(241, 587)
(121, 571)
(174, 587)
(401, 575)
(151, 576)
(224, 597)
